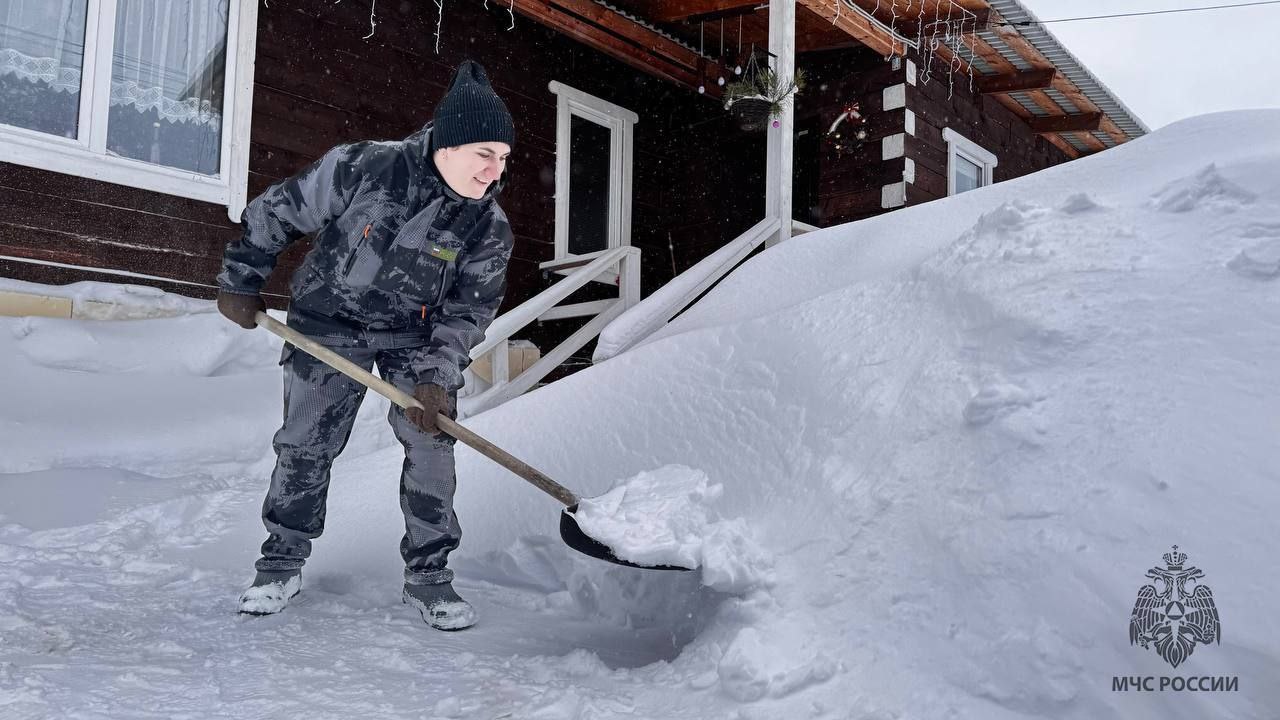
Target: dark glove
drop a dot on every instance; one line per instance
(240, 309)
(434, 399)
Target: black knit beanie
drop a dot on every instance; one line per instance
(471, 111)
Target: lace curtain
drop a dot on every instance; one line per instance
(169, 57)
(41, 57)
(167, 75)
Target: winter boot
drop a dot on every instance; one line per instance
(271, 592)
(440, 606)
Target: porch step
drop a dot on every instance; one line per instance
(521, 355)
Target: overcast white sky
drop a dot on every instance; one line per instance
(1168, 67)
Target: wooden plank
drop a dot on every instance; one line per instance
(1076, 96)
(673, 10)
(779, 155)
(812, 33)
(857, 26)
(1051, 106)
(1025, 114)
(1015, 82)
(624, 40)
(20, 178)
(913, 28)
(934, 183)
(992, 57)
(21, 304)
(54, 275)
(850, 175)
(1016, 42)
(595, 38)
(1085, 122)
(809, 43)
(839, 207)
(640, 35)
(1092, 142)
(78, 218)
(90, 252)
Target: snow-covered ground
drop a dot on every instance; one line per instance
(954, 438)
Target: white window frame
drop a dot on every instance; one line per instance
(87, 156)
(962, 146)
(571, 102)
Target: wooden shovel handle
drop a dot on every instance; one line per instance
(406, 401)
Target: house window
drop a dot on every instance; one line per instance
(593, 173)
(969, 165)
(136, 92)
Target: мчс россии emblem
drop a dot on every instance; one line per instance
(1175, 612)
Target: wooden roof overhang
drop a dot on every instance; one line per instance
(681, 41)
(629, 38)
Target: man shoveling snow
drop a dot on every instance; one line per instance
(407, 270)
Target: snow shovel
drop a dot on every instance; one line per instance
(572, 535)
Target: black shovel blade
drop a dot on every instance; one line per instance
(587, 545)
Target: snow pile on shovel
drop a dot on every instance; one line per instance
(665, 517)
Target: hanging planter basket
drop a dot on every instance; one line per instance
(752, 113)
(760, 95)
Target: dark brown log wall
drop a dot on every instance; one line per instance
(940, 104)
(850, 185)
(850, 182)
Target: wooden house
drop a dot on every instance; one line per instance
(132, 132)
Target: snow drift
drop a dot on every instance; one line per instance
(961, 434)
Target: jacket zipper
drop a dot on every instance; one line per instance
(444, 275)
(351, 260)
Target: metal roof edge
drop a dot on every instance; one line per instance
(1070, 66)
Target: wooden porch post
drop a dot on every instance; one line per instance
(782, 43)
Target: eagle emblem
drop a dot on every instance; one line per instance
(1175, 612)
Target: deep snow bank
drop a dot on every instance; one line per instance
(164, 396)
(967, 429)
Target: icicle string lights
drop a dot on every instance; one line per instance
(702, 88)
(953, 29)
(439, 22)
(720, 60)
(373, 22)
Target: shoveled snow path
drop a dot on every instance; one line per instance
(106, 617)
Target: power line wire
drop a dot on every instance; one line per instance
(1025, 23)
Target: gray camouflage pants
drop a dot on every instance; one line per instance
(320, 407)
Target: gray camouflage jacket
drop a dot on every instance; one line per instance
(399, 259)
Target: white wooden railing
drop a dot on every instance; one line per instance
(657, 310)
(621, 322)
(618, 266)
(800, 228)
(666, 302)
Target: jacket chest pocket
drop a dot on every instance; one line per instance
(419, 272)
(368, 243)
(445, 262)
(357, 250)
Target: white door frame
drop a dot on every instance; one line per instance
(571, 102)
